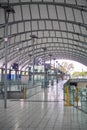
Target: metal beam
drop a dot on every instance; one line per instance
(17, 43)
(60, 52)
(56, 43)
(58, 20)
(58, 56)
(75, 6)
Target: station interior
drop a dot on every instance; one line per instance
(36, 94)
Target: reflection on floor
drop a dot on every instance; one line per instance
(52, 93)
(36, 113)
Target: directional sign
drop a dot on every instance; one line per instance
(39, 61)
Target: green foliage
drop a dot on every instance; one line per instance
(66, 67)
(79, 74)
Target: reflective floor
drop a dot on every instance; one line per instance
(43, 111)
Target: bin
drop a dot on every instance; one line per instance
(52, 82)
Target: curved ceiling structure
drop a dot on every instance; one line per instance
(60, 25)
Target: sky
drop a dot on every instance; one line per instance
(77, 66)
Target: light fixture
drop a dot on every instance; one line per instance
(7, 8)
(34, 36)
(5, 39)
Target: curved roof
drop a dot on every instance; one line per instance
(60, 25)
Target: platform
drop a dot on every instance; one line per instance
(43, 111)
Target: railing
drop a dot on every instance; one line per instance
(18, 86)
(83, 98)
(77, 99)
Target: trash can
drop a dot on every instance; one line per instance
(42, 84)
(52, 82)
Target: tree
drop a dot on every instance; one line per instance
(79, 74)
(75, 74)
(66, 67)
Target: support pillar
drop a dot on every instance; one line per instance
(67, 96)
(44, 84)
(10, 80)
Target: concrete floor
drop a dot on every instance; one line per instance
(43, 111)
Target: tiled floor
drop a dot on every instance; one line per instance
(36, 113)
